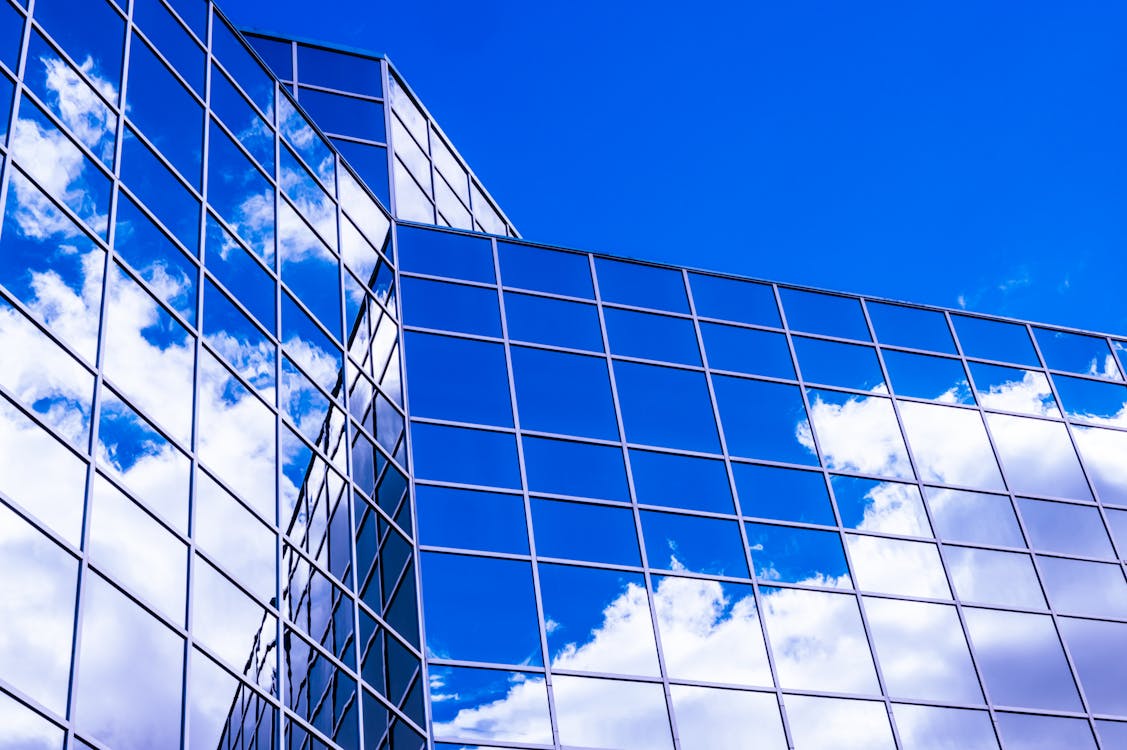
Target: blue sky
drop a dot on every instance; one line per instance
(953, 153)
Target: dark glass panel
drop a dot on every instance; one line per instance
(543, 270)
(563, 467)
(563, 393)
(734, 299)
(471, 520)
(640, 285)
(174, 42)
(156, 258)
(1074, 352)
(783, 494)
(165, 112)
(911, 327)
(826, 314)
(154, 183)
(692, 543)
(542, 320)
(764, 420)
(845, 365)
(1092, 400)
(480, 391)
(747, 350)
(88, 31)
(452, 307)
(792, 555)
(660, 337)
(923, 376)
(338, 70)
(456, 256)
(248, 126)
(277, 55)
(370, 163)
(666, 407)
(344, 115)
(581, 531)
(680, 481)
(455, 454)
(994, 339)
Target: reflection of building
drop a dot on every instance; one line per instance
(654, 507)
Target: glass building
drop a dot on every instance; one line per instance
(289, 460)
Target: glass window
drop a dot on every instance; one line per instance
(600, 620)
(1112, 733)
(1102, 451)
(306, 143)
(1117, 522)
(711, 719)
(710, 631)
(666, 407)
(459, 697)
(747, 350)
(818, 641)
(1073, 352)
(922, 376)
(911, 327)
(826, 314)
(501, 606)
(922, 651)
(563, 467)
(91, 31)
(278, 55)
(239, 340)
(640, 285)
(611, 713)
(840, 419)
(581, 531)
(235, 627)
(872, 505)
(452, 307)
(764, 420)
(844, 365)
(456, 454)
(1084, 588)
(1020, 659)
(11, 34)
(37, 607)
(237, 270)
(237, 58)
(370, 163)
(647, 336)
(456, 256)
(974, 517)
(804, 556)
(27, 729)
(950, 446)
(934, 728)
(1038, 457)
(309, 269)
(338, 70)
(234, 537)
(155, 185)
(411, 201)
(155, 257)
(526, 267)
(734, 299)
(680, 481)
(1065, 528)
(993, 339)
(165, 112)
(1092, 400)
(1005, 579)
(469, 519)
(542, 320)
(173, 41)
(783, 494)
(480, 391)
(1099, 652)
(563, 393)
(242, 119)
(895, 566)
(694, 544)
(114, 702)
(343, 115)
(822, 723)
(1011, 389)
(1033, 732)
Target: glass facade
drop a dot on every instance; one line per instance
(280, 470)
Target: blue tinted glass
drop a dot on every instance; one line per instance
(241, 194)
(873, 505)
(1073, 352)
(451, 307)
(238, 60)
(309, 268)
(1099, 652)
(973, 517)
(165, 112)
(564, 393)
(1011, 389)
(733, 299)
(545, 270)
(478, 393)
(455, 454)
(747, 350)
(699, 545)
(310, 347)
(562, 467)
(154, 184)
(1033, 732)
(154, 256)
(680, 481)
(579, 531)
(172, 40)
(781, 553)
(635, 334)
(277, 55)
(7, 90)
(1092, 399)
(11, 32)
(455, 256)
(764, 420)
(826, 314)
(306, 142)
(240, 273)
(456, 692)
(471, 520)
(1065, 528)
(338, 70)
(87, 31)
(845, 365)
(237, 339)
(783, 494)
(924, 376)
(641, 286)
(993, 339)
(911, 327)
(543, 320)
(467, 619)
(666, 407)
(370, 163)
(238, 115)
(344, 115)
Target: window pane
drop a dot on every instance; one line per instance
(783, 494)
(480, 704)
(974, 517)
(1099, 651)
(734, 299)
(1038, 457)
(994, 339)
(933, 728)
(471, 520)
(1005, 579)
(640, 285)
(680, 481)
(344, 115)
(579, 531)
(1073, 352)
(542, 320)
(1011, 389)
(858, 433)
(309, 268)
(563, 393)
(164, 111)
(872, 505)
(827, 723)
(1092, 400)
(894, 566)
(911, 327)
(826, 314)
(1084, 588)
(764, 420)
(803, 556)
(709, 719)
(933, 378)
(479, 393)
(611, 713)
(156, 258)
(844, 365)
(338, 70)
(453, 307)
(581, 469)
(1103, 452)
(950, 446)
(666, 407)
(647, 336)
(231, 535)
(747, 350)
(454, 454)
(699, 545)
(1065, 528)
(457, 256)
(1032, 732)
(543, 270)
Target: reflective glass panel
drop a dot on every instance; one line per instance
(237, 269)
(452, 307)
(494, 595)
(481, 704)
(872, 505)
(611, 713)
(1033, 732)
(600, 620)
(155, 257)
(764, 420)
(238, 115)
(344, 115)
(836, 724)
(710, 719)
(1103, 451)
(1005, 579)
(339, 70)
(747, 350)
(563, 393)
(1099, 651)
(455, 454)
(1038, 457)
(783, 494)
(666, 407)
(471, 520)
(1065, 528)
(680, 481)
(542, 320)
(710, 631)
(1084, 588)
(1117, 522)
(647, 336)
(895, 566)
(478, 393)
(833, 363)
(25, 729)
(237, 59)
(235, 627)
(563, 467)
(309, 268)
(699, 545)
(933, 728)
(455, 256)
(580, 531)
(858, 433)
(993, 339)
(238, 339)
(154, 184)
(911, 327)
(640, 285)
(804, 556)
(922, 376)
(1092, 400)
(1073, 352)
(1011, 389)
(91, 31)
(234, 537)
(169, 116)
(950, 446)
(545, 270)
(734, 299)
(1112, 733)
(974, 517)
(827, 314)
